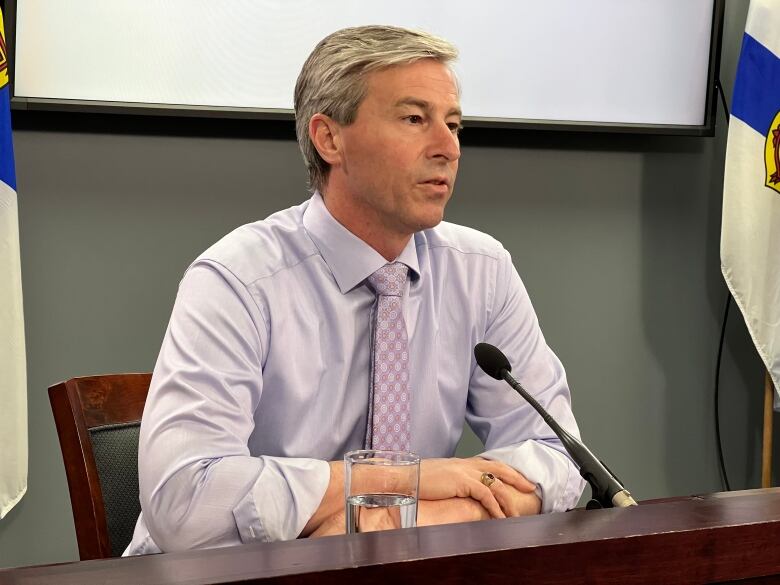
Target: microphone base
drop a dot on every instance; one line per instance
(623, 499)
(599, 495)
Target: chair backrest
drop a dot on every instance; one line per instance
(98, 420)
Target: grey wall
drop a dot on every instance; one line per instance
(616, 238)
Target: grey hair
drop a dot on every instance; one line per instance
(332, 80)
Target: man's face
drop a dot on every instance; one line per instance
(400, 155)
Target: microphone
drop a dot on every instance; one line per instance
(606, 489)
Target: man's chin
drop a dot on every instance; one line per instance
(428, 221)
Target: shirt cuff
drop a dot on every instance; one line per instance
(285, 496)
(558, 481)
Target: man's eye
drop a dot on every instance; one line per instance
(455, 127)
(414, 119)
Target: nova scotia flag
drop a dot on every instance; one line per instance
(13, 374)
(750, 236)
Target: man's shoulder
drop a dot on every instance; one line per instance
(460, 239)
(262, 248)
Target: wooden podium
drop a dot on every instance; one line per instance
(718, 538)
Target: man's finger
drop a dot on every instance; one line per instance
(510, 499)
(514, 502)
(503, 497)
(509, 475)
(484, 496)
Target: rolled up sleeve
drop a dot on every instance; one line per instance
(287, 492)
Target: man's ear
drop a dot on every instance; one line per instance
(325, 134)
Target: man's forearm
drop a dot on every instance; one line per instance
(445, 495)
(450, 511)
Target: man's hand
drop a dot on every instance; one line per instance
(514, 502)
(510, 495)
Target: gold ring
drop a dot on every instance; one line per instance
(487, 479)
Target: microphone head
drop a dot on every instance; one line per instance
(491, 360)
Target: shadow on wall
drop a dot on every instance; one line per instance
(682, 329)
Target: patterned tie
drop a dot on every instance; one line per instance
(390, 422)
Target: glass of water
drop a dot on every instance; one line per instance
(381, 490)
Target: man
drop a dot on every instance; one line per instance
(269, 371)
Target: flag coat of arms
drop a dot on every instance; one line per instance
(13, 375)
(750, 236)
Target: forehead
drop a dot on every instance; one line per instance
(426, 79)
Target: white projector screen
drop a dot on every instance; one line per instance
(598, 62)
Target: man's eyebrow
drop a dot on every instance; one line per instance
(424, 105)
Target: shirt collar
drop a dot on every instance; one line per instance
(349, 258)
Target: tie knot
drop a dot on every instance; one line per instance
(390, 279)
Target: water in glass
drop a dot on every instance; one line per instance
(369, 512)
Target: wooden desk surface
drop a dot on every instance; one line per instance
(700, 539)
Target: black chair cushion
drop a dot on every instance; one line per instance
(115, 448)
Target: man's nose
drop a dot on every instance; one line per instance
(444, 143)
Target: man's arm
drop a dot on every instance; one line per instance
(449, 511)
(450, 491)
(510, 429)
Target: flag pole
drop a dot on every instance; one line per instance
(766, 453)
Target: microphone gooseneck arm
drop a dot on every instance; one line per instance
(605, 488)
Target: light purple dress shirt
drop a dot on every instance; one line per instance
(263, 376)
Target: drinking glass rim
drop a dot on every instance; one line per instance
(413, 458)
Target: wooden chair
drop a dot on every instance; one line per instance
(98, 420)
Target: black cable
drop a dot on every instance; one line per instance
(723, 100)
(724, 476)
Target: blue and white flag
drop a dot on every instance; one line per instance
(750, 236)
(13, 373)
